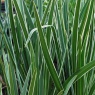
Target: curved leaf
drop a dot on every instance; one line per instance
(48, 59)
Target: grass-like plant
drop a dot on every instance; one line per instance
(47, 47)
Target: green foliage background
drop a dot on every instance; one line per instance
(47, 47)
